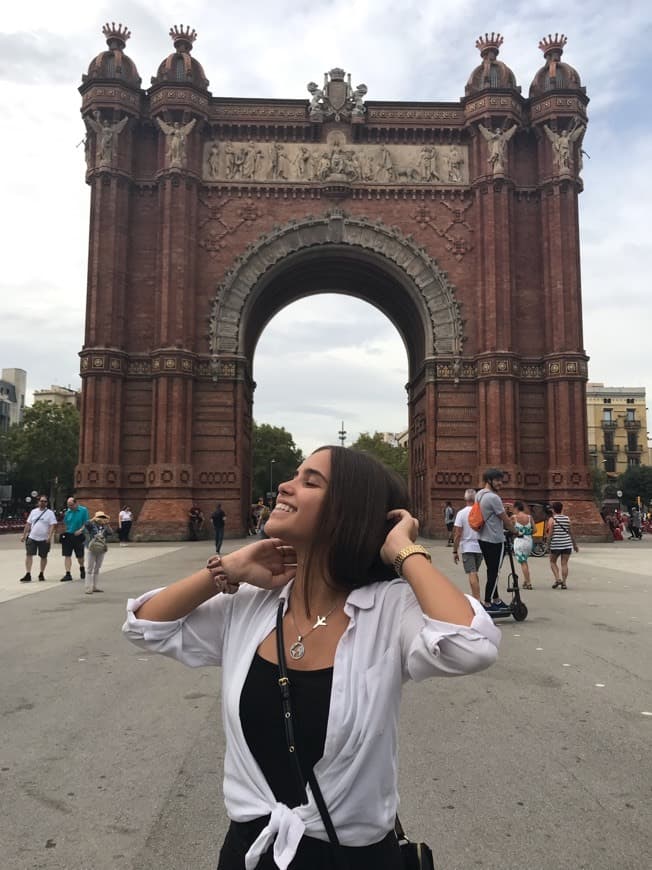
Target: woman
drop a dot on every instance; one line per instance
(523, 544)
(97, 530)
(562, 543)
(352, 633)
(125, 521)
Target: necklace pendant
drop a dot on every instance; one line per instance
(321, 620)
(297, 650)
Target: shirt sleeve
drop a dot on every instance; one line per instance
(195, 640)
(432, 648)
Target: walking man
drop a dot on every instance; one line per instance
(465, 541)
(75, 519)
(491, 536)
(218, 516)
(449, 519)
(37, 536)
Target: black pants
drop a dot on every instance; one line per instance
(311, 854)
(493, 557)
(219, 537)
(123, 532)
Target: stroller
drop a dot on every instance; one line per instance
(516, 607)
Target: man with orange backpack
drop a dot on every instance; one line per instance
(489, 519)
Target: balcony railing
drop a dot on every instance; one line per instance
(610, 451)
(633, 425)
(609, 425)
(634, 449)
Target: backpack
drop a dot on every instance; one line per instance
(476, 519)
(97, 544)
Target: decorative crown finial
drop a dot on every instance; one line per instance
(487, 42)
(183, 38)
(549, 44)
(116, 37)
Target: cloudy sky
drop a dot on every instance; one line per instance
(326, 359)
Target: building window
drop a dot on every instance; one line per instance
(180, 70)
(632, 441)
(631, 415)
(633, 461)
(630, 401)
(606, 415)
(610, 464)
(607, 401)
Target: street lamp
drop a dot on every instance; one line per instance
(271, 477)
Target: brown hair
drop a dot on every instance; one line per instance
(352, 524)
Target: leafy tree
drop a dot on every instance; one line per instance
(41, 452)
(636, 481)
(275, 455)
(392, 455)
(599, 484)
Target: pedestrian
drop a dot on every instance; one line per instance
(331, 579)
(263, 516)
(562, 543)
(73, 540)
(637, 523)
(125, 522)
(523, 545)
(449, 520)
(37, 537)
(195, 522)
(492, 534)
(465, 541)
(218, 517)
(97, 529)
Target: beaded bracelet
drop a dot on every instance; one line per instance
(220, 577)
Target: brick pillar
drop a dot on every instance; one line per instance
(497, 363)
(103, 361)
(169, 473)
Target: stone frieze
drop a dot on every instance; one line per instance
(335, 161)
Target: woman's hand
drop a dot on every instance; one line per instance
(402, 534)
(267, 564)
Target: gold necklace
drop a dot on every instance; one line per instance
(298, 650)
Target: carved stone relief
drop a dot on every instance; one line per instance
(336, 161)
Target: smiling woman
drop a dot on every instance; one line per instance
(344, 591)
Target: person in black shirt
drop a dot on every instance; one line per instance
(218, 517)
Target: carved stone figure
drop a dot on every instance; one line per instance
(455, 165)
(562, 156)
(106, 136)
(497, 144)
(302, 163)
(428, 164)
(384, 172)
(251, 160)
(214, 161)
(315, 110)
(358, 96)
(229, 161)
(175, 141)
(279, 162)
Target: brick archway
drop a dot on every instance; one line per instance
(431, 325)
(210, 213)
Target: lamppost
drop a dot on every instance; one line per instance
(342, 434)
(271, 477)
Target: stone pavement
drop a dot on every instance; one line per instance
(112, 758)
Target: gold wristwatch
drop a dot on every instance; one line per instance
(410, 550)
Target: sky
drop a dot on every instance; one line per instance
(326, 359)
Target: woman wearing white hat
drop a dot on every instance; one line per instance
(97, 529)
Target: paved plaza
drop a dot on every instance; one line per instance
(111, 758)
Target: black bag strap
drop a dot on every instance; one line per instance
(286, 703)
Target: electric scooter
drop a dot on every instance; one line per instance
(516, 607)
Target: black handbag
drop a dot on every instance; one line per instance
(414, 856)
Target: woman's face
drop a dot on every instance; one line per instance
(299, 502)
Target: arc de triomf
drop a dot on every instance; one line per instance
(210, 214)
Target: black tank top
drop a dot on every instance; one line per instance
(262, 723)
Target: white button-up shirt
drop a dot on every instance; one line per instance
(388, 641)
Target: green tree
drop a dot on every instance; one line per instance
(276, 458)
(391, 454)
(41, 452)
(636, 481)
(599, 481)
